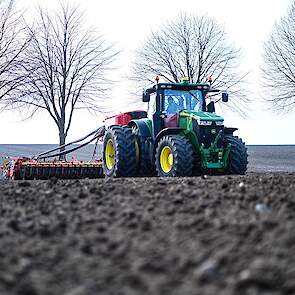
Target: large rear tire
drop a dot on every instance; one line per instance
(238, 157)
(174, 156)
(145, 167)
(119, 153)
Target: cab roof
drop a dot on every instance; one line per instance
(180, 86)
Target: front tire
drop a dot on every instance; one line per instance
(238, 157)
(174, 156)
(119, 153)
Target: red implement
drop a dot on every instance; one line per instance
(124, 118)
(29, 169)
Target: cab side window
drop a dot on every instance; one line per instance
(152, 105)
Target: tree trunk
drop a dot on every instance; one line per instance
(62, 141)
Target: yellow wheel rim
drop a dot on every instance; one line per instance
(166, 159)
(110, 154)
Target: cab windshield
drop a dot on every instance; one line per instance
(176, 101)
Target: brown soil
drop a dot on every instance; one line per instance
(204, 235)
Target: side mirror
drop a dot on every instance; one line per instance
(211, 107)
(224, 97)
(145, 97)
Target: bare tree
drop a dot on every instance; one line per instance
(65, 67)
(13, 42)
(195, 47)
(279, 64)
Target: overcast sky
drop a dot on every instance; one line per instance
(127, 23)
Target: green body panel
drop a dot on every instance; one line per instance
(212, 157)
(186, 123)
(149, 124)
(201, 116)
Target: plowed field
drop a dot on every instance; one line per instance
(203, 235)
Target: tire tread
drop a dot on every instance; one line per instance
(238, 158)
(183, 155)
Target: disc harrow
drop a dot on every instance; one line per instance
(40, 167)
(29, 170)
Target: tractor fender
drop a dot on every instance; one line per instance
(166, 131)
(143, 129)
(229, 130)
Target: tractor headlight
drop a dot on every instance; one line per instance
(205, 123)
(219, 123)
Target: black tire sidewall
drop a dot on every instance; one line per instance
(145, 165)
(125, 152)
(238, 156)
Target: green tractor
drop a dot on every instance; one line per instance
(179, 135)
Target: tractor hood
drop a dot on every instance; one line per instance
(201, 116)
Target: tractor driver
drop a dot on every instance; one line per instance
(173, 107)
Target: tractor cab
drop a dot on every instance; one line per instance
(182, 95)
(167, 102)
